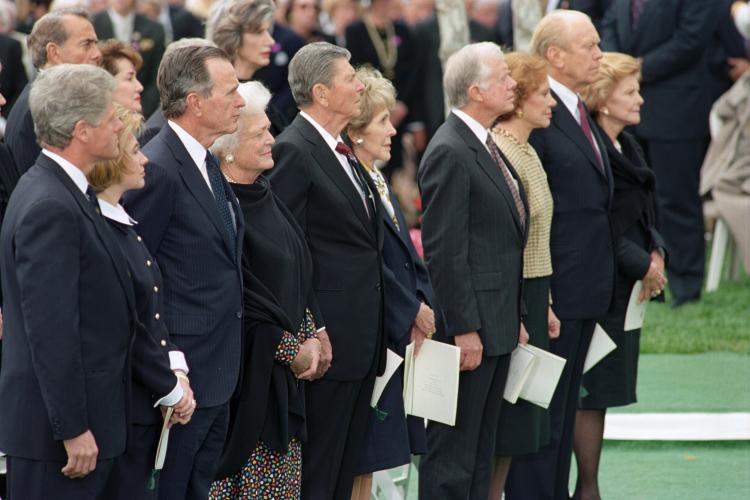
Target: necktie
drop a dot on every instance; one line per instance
(636, 9)
(91, 195)
(586, 128)
(354, 165)
(220, 196)
(495, 154)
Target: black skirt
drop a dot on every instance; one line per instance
(612, 381)
(524, 427)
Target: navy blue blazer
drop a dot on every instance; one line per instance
(178, 219)
(581, 243)
(69, 322)
(20, 135)
(673, 38)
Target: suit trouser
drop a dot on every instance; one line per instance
(544, 475)
(677, 167)
(41, 480)
(193, 455)
(458, 463)
(132, 471)
(336, 417)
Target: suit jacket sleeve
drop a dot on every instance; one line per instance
(24, 147)
(153, 205)
(445, 187)
(696, 22)
(401, 307)
(632, 260)
(50, 306)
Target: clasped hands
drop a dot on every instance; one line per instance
(308, 362)
(654, 281)
(423, 326)
(472, 348)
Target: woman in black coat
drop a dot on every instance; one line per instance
(262, 455)
(616, 102)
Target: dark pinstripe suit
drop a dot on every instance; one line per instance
(473, 245)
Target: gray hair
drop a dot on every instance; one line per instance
(183, 71)
(313, 64)
(256, 97)
(554, 30)
(187, 42)
(228, 20)
(50, 28)
(467, 67)
(8, 14)
(65, 94)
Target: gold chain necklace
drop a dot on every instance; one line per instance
(387, 52)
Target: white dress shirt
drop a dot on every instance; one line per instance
(176, 358)
(122, 25)
(481, 133)
(332, 142)
(75, 173)
(195, 149)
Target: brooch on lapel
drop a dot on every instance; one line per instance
(141, 44)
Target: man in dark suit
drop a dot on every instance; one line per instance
(67, 301)
(190, 221)
(325, 188)
(474, 231)
(583, 260)
(122, 22)
(62, 36)
(672, 38)
(13, 77)
(430, 103)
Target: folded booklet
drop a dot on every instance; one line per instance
(431, 381)
(522, 361)
(635, 313)
(392, 362)
(543, 378)
(161, 450)
(601, 345)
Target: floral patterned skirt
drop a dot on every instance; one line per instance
(268, 474)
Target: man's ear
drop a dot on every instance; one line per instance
(194, 104)
(321, 94)
(53, 53)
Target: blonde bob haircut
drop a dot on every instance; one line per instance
(379, 94)
(530, 73)
(613, 67)
(109, 172)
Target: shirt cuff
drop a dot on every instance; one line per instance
(742, 20)
(173, 397)
(177, 361)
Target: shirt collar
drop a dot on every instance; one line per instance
(194, 148)
(567, 96)
(75, 173)
(330, 140)
(116, 213)
(474, 125)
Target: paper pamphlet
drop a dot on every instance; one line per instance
(431, 381)
(392, 362)
(601, 345)
(635, 313)
(542, 381)
(522, 361)
(161, 449)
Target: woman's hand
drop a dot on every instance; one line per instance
(553, 324)
(310, 352)
(523, 335)
(654, 281)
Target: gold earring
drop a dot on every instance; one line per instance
(519, 113)
(229, 158)
(359, 141)
(605, 111)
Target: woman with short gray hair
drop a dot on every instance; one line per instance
(241, 28)
(263, 455)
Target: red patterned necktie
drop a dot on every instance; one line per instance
(495, 154)
(636, 9)
(586, 127)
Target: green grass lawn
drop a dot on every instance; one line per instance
(719, 322)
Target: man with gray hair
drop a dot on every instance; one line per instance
(68, 306)
(62, 36)
(189, 219)
(320, 181)
(473, 231)
(582, 286)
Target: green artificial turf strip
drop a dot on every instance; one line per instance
(708, 382)
(719, 322)
(665, 470)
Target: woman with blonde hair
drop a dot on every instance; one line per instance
(391, 436)
(524, 427)
(615, 101)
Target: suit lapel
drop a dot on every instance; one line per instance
(106, 27)
(100, 226)
(486, 163)
(562, 118)
(624, 25)
(329, 163)
(197, 186)
(651, 10)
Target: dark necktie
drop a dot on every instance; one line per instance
(91, 195)
(636, 9)
(586, 128)
(220, 197)
(354, 165)
(495, 154)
